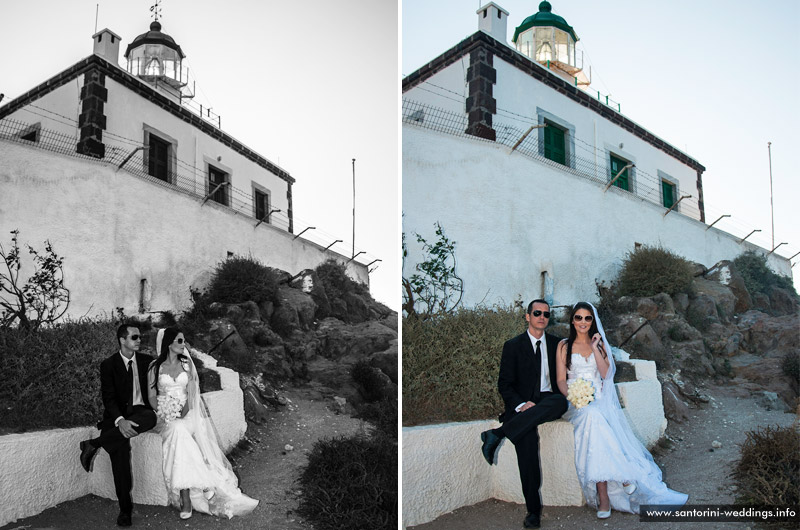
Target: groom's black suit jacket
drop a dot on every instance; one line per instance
(520, 373)
(114, 387)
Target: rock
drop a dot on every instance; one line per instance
(762, 333)
(646, 345)
(675, 408)
(692, 357)
(338, 339)
(647, 308)
(681, 302)
(299, 303)
(288, 448)
(726, 274)
(247, 311)
(680, 331)
(722, 296)
(264, 336)
(266, 308)
(254, 409)
(231, 348)
(716, 444)
(781, 301)
(625, 372)
(386, 361)
(285, 320)
(274, 363)
(702, 311)
(339, 405)
(770, 401)
(390, 321)
(761, 302)
(698, 269)
(768, 375)
(625, 304)
(664, 303)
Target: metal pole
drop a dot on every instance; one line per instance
(353, 254)
(771, 212)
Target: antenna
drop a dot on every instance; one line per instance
(156, 10)
(96, 14)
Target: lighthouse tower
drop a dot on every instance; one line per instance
(547, 39)
(156, 58)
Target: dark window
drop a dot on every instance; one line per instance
(215, 178)
(554, 143)
(484, 13)
(668, 193)
(159, 158)
(261, 201)
(616, 164)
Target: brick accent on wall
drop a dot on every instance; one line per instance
(290, 213)
(700, 203)
(92, 120)
(481, 105)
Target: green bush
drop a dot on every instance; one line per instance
(382, 414)
(242, 279)
(758, 277)
(336, 281)
(348, 300)
(648, 271)
(351, 483)
(451, 362)
(769, 469)
(373, 387)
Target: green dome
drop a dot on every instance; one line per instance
(544, 18)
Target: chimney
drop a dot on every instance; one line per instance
(493, 19)
(106, 45)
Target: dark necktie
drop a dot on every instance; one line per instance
(537, 385)
(130, 384)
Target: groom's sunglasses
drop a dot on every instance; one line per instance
(134, 337)
(538, 313)
(578, 318)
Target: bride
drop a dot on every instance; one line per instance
(196, 472)
(614, 468)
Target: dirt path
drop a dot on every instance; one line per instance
(268, 472)
(690, 467)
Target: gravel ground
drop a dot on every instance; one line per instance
(690, 467)
(268, 472)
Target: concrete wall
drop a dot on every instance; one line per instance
(444, 469)
(41, 469)
(513, 218)
(114, 230)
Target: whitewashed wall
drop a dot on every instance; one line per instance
(41, 469)
(513, 218)
(518, 93)
(114, 229)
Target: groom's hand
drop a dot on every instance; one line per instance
(526, 406)
(126, 427)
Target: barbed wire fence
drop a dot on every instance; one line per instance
(126, 154)
(583, 159)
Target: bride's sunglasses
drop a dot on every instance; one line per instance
(587, 318)
(179, 341)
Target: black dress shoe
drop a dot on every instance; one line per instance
(532, 521)
(124, 519)
(490, 442)
(87, 455)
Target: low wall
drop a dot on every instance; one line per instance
(39, 470)
(444, 469)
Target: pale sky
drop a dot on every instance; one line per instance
(309, 85)
(718, 79)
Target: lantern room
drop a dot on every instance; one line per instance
(547, 39)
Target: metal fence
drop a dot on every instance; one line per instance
(524, 135)
(181, 176)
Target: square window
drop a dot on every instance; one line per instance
(615, 166)
(215, 178)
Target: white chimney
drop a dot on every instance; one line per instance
(106, 45)
(493, 19)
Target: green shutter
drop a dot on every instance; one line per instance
(554, 147)
(617, 164)
(668, 193)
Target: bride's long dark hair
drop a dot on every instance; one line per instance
(166, 341)
(573, 333)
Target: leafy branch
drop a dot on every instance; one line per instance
(43, 298)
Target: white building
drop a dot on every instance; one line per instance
(137, 187)
(542, 183)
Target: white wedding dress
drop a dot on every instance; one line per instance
(606, 450)
(191, 459)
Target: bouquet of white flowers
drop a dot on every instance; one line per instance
(169, 407)
(580, 393)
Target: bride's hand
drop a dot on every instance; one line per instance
(185, 409)
(596, 338)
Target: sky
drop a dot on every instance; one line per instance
(310, 85)
(717, 79)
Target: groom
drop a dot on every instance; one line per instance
(123, 386)
(527, 382)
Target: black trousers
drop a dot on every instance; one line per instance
(119, 451)
(521, 429)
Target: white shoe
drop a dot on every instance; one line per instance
(630, 488)
(604, 514)
(185, 515)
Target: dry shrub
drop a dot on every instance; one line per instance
(768, 472)
(242, 279)
(648, 271)
(451, 362)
